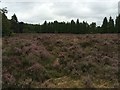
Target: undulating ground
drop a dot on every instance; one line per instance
(60, 61)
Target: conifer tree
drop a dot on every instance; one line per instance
(14, 24)
(111, 25)
(105, 25)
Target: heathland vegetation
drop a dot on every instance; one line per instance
(61, 61)
(60, 55)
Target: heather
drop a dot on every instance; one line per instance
(60, 60)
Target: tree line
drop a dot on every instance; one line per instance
(10, 26)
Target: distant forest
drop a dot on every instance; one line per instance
(11, 26)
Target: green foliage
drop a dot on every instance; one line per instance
(14, 26)
(117, 25)
(5, 25)
(105, 25)
(111, 25)
(92, 28)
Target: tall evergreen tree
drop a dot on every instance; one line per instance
(105, 25)
(44, 27)
(21, 26)
(5, 23)
(117, 25)
(77, 22)
(111, 25)
(56, 28)
(14, 24)
(92, 28)
(72, 26)
(14, 18)
(77, 26)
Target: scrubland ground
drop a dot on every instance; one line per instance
(60, 60)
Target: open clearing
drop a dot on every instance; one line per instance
(60, 60)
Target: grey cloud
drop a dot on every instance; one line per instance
(95, 10)
(37, 11)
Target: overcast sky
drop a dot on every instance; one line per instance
(37, 11)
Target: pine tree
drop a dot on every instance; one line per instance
(21, 26)
(72, 28)
(5, 23)
(77, 26)
(105, 25)
(117, 25)
(14, 24)
(111, 25)
(14, 18)
(92, 28)
(44, 27)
